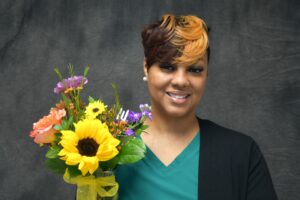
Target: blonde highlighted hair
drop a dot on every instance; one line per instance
(182, 39)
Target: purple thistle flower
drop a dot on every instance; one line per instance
(71, 82)
(134, 117)
(129, 132)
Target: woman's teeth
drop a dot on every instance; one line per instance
(177, 96)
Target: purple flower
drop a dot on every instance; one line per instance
(148, 114)
(129, 132)
(71, 82)
(134, 117)
(146, 110)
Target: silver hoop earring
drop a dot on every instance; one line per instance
(145, 78)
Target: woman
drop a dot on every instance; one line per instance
(187, 157)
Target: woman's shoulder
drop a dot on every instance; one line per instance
(219, 135)
(216, 130)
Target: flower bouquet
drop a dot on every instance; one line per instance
(88, 141)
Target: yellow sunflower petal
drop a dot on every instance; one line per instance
(94, 126)
(83, 168)
(80, 129)
(100, 137)
(73, 159)
(102, 134)
(73, 138)
(67, 133)
(88, 164)
(93, 163)
(87, 128)
(63, 152)
(111, 141)
(63, 158)
(106, 152)
(69, 146)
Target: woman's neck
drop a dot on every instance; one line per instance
(177, 126)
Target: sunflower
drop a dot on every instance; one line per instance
(90, 143)
(94, 109)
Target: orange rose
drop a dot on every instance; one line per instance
(43, 131)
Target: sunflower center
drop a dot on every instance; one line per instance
(87, 147)
(95, 110)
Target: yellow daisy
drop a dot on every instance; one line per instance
(90, 143)
(94, 109)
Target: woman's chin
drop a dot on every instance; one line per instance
(178, 112)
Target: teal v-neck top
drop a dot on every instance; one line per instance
(150, 179)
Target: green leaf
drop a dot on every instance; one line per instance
(58, 73)
(74, 171)
(58, 127)
(86, 71)
(144, 127)
(57, 138)
(53, 151)
(56, 165)
(91, 99)
(65, 124)
(135, 126)
(140, 129)
(115, 88)
(133, 151)
(66, 99)
(71, 70)
(70, 120)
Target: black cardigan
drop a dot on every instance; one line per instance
(231, 166)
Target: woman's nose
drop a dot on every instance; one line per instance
(180, 79)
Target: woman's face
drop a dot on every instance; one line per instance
(176, 90)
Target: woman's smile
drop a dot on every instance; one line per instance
(178, 97)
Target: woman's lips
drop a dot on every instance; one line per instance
(178, 98)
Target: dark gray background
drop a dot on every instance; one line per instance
(253, 84)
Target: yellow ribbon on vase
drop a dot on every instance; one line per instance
(88, 187)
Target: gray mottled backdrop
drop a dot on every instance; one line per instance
(253, 85)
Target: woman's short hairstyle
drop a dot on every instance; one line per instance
(174, 40)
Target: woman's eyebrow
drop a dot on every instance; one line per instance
(198, 64)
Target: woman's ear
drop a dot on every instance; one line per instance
(145, 68)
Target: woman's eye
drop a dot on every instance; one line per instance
(196, 70)
(167, 67)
